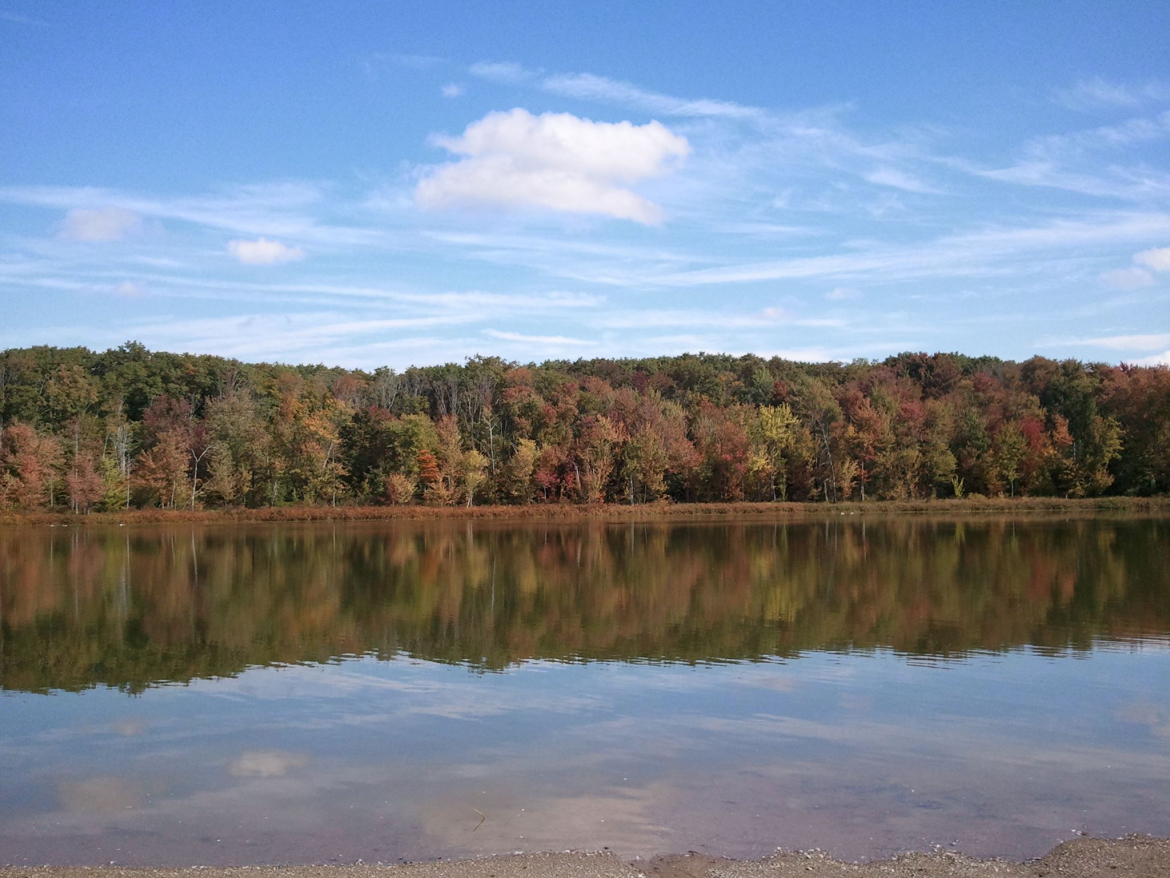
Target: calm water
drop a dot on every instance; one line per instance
(317, 693)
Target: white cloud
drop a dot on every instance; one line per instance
(416, 62)
(1162, 359)
(280, 210)
(554, 161)
(376, 64)
(506, 72)
(286, 336)
(1158, 259)
(1071, 161)
(1129, 342)
(22, 19)
(100, 224)
(536, 339)
(587, 86)
(841, 294)
(1117, 182)
(1126, 279)
(128, 290)
(1097, 93)
(262, 251)
(452, 90)
(665, 318)
(896, 179)
(963, 255)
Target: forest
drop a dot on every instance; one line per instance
(131, 428)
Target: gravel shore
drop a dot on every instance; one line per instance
(1135, 857)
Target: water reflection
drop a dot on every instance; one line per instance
(126, 609)
(731, 688)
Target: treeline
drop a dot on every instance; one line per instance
(135, 428)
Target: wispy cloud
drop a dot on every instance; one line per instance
(1158, 259)
(1126, 279)
(1139, 275)
(842, 294)
(506, 72)
(587, 86)
(1098, 93)
(277, 210)
(544, 340)
(287, 337)
(764, 318)
(966, 254)
(1162, 359)
(99, 224)
(377, 64)
(14, 18)
(1072, 161)
(264, 252)
(896, 179)
(1129, 342)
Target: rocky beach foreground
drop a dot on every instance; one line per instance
(1131, 857)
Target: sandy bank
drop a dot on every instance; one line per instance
(1135, 857)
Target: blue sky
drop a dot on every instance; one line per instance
(369, 184)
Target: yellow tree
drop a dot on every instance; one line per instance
(597, 445)
(772, 433)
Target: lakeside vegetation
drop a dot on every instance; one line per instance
(134, 429)
(967, 508)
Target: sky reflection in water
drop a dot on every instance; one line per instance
(728, 689)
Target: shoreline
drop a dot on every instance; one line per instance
(1129, 857)
(650, 512)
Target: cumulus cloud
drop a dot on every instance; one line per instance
(555, 161)
(99, 224)
(264, 252)
(1126, 279)
(1158, 260)
(452, 90)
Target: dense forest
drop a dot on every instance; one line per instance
(134, 428)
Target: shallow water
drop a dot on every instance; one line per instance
(315, 693)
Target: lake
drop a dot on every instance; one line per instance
(326, 693)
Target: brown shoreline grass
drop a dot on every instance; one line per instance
(1024, 506)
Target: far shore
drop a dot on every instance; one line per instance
(1131, 857)
(663, 511)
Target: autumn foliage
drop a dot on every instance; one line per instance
(130, 428)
